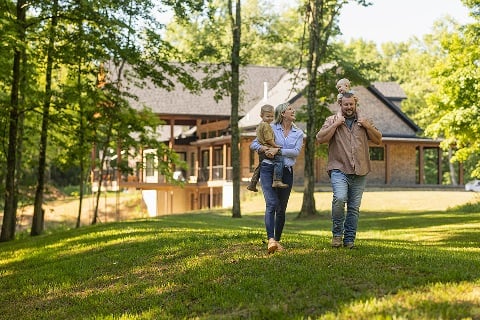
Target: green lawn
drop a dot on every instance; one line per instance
(409, 264)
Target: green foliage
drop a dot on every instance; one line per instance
(205, 265)
(87, 34)
(269, 38)
(453, 109)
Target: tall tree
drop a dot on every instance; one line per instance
(9, 213)
(104, 28)
(236, 26)
(38, 211)
(321, 17)
(453, 109)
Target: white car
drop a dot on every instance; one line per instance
(473, 186)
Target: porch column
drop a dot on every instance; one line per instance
(171, 141)
(141, 178)
(211, 205)
(224, 167)
(387, 164)
(439, 166)
(210, 163)
(421, 164)
(196, 171)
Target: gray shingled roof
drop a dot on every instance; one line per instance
(379, 98)
(284, 90)
(390, 90)
(181, 102)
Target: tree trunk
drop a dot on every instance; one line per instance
(38, 212)
(81, 137)
(451, 167)
(20, 129)
(100, 177)
(308, 205)
(9, 211)
(235, 65)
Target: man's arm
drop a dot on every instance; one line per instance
(328, 129)
(373, 133)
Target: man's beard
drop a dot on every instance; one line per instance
(349, 113)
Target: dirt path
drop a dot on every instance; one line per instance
(63, 212)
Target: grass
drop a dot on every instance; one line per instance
(409, 264)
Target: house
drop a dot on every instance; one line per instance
(197, 128)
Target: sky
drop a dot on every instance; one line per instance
(397, 20)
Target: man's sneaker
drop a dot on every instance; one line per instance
(272, 245)
(337, 242)
(280, 247)
(251, 187)
(279, 184)
(349, 245)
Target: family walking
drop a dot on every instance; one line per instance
(347, 134)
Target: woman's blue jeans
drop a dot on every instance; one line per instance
(276, 199)
(347, 189)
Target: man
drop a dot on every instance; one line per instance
(347, 135)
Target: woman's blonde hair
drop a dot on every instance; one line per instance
(279, 110)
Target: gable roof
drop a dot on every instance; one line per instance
(390, 90)
(395, 110)
(182, 102)
(287, 89)
(386, 115)
(274, 85)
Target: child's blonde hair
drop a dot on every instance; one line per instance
(266, 108)
(341, 82)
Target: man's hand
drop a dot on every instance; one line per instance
(363, 122)
(339, 120)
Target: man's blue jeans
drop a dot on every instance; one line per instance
(276, 199)
(347, 189)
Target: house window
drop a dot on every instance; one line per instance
(205, 158)
(150, 164)
(217, 156)
(377, 153)
(203, 172)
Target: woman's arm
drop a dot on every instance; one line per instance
(297, 146)
(256, 146)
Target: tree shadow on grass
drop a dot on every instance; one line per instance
(213, 266)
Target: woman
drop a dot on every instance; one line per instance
(290, 138)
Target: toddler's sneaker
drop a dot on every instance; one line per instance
(279, 184)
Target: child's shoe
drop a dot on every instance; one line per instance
(252, 187)
(279, 184)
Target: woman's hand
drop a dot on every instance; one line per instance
(271, 152)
